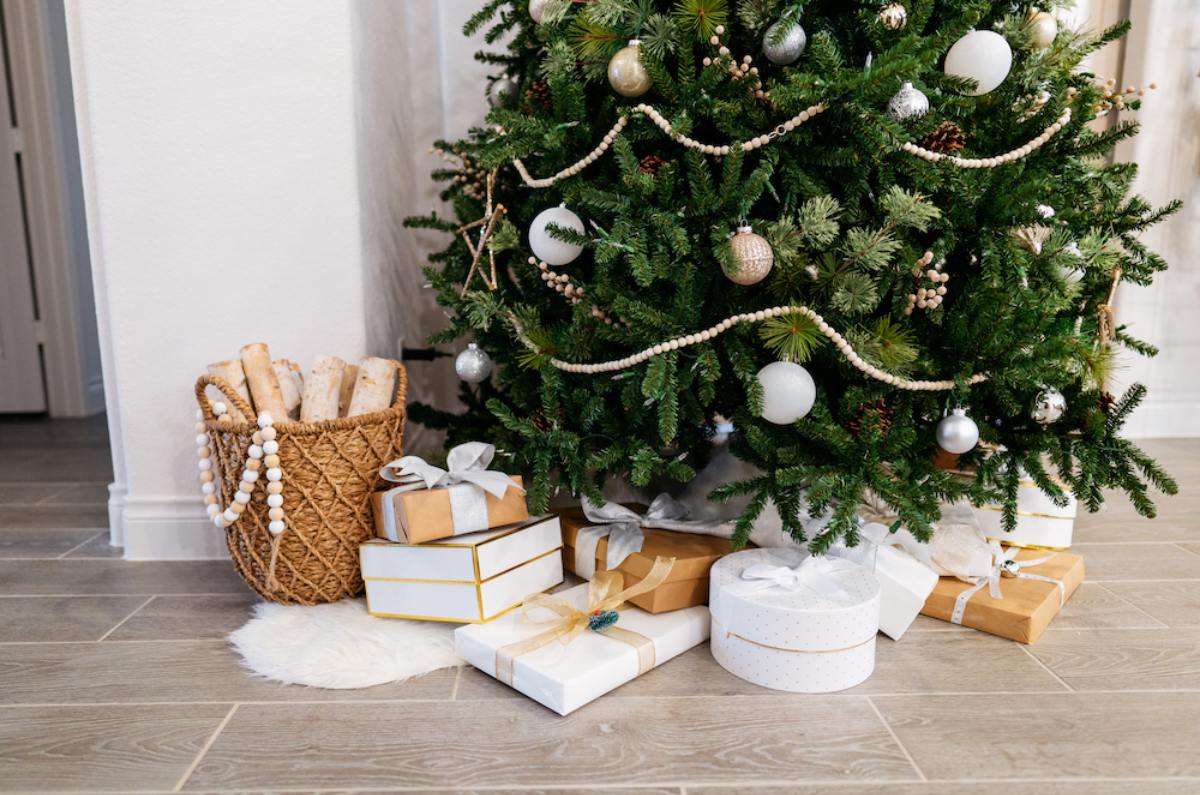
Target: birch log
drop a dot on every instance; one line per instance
(231, 370)
(290, 383)
(260, 377)
(349, 376)
(374, 386)
(321, 388)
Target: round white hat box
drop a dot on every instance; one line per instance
(816, 635)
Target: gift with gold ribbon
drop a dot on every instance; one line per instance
(564, 650)
(1018, 598)
(789, 621)
(431, 503)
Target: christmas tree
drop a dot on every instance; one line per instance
(872, 235)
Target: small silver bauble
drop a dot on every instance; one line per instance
(1048, 406)
(957, 433)
(502, 90)
(893, 16)
(908, 103)
(1043, 29)
(752, 257)
(473, 365)
(1011, 567)
(790, 47)
(626, 73)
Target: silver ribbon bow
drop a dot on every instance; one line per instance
(818, 575)
(1004, 563)
(622, 527)
(467, 463)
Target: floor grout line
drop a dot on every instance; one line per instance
(81, 544)
(1046, 668)
(896, 739)
(204, 748)
(136, 610)
(1161, 624)
(242, 592)
(1180, 544)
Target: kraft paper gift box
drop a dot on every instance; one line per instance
(564, 676)
(789, 621)
(432, 503)
(1040, 523)
(1027, 602)
(687, 584)
(472, 579)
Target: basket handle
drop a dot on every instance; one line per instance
(227, 390)
(401, 385)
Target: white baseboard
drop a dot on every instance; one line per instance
(171, 528)
(116, 514)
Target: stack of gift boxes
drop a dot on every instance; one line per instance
(459, 545)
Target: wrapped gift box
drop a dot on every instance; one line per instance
(415, 516)
(787, 621)
(904, 581)
(470, 580)
(1040, 523)
(687, 585)
(1026, 606)
(564, 677)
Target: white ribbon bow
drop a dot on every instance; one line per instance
(1004, 563)
(819, 575)
(622, 527)
(467, 463)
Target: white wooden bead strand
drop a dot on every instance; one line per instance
(840, 342)
(999, 160)
(263, 450)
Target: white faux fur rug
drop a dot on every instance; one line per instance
(340, 646)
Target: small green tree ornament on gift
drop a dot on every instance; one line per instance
(796, 260)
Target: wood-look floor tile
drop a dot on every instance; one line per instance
(80, 494)
(930, 624)
(1176, 604)
(62, 618)
(40, 432)
(52, 517)
(1094, 606)
(98, 547)
(1193, 548)
(26, 493)
(166, 671)
(1055, 735)
(1117, 562)
(42, 543)
(51, 466)
(518, 743)
(1137, 659)
(106, 748)
(187, 618)
(1046, 787)
(83, 576)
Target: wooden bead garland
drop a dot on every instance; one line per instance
(991, 162)
(928, 297)
(561, 283)
(264, 450)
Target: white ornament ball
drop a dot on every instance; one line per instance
(1043, 29)
(957, 433)
(536, 9)
(983, 56)
(473, 365)
(1048, 406)
(790, 47)
(893, 16)
(626, 73)
(788, 392)
(908, 103)
(752, 257)
(502, 90)
(551, 250)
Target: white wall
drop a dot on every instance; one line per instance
(218, 141)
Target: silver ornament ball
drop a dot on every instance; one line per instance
(790, 47)
(908, 103)
(626, 74)
(893, 16)
(1043, 29)
(501, 91)
(473, 365)
(957, 433)
(1048, 406)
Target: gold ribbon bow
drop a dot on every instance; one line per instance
(605, 598)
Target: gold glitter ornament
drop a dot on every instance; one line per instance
(752, 257)
(626, 74)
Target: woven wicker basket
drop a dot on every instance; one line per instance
(329, 469)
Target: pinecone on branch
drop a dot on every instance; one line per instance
(539, 93)
(650, 164)
(948, 137)
(879, 409)
(1106, 403)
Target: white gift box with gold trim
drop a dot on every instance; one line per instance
(1040, 523)
(471, 579)
(565, 677)
(807, 626)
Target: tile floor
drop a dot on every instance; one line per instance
(114, 677)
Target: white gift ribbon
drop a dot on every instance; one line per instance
(958, 547)
(818, 575)
(622, 527)
(467, 464)
(1004, 563)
